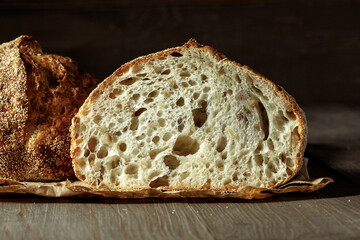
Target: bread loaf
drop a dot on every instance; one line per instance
(39, 95)
(187, 118)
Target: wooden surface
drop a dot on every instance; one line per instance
(331, 213)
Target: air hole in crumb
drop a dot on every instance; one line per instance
(153, 94)
(166, 72)
(192, 83)
(159, 182)
(117, 91)
(230, 92)
(179, 65)
(259, 159)
(135, 151)
(154, 175)
(235, 177)
(149, 100)
(268, 173)
(196, 95)
(219, 164)
(180, 102)
(103, 152)
(153, 153)
(271, 167)
(270, 144)
(140, 111)
(289, 162)
(176, 54)
(122, 147)
(135, 97)
(290, 115)
(92, 143)
(150, 132)
(237, 78)
(141, 137)
(180, 125)
(137, 68)
(200, 115)
(161, 122)
(86, 153)
(134, 123)
(112, 162)
(184, 84)
(91, 159)
(97, 119)
(185, 74)
(221, 71)
(159, 113)
(295, 137)
(184, 175)
(185, 145)
(221, 144)
(156, 139)
(206, 89)
(81, 163)
(131, 169)
(128, 81)
(264, 120)
(112, 95)
(171, 161)
(167, 136)
(203, 77)
(141, 74)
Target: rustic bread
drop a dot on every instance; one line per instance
(39, 95)
(187, 118)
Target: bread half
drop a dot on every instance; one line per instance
(39, 95)
(187, 118)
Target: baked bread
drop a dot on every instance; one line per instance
(187, 118)
(39, 95)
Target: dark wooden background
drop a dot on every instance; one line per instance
(311, 48)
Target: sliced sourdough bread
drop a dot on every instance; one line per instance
(187, 118)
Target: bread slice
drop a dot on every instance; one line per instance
(187, 118)
(39, 95)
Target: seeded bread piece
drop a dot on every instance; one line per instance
(187, 118)
(39, 95)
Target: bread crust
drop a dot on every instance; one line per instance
(40, 93)
(192, 44)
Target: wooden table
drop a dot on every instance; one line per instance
(331, 213)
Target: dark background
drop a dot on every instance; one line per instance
(311, 48)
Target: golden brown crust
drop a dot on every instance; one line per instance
(39, 95)
(192, 43)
